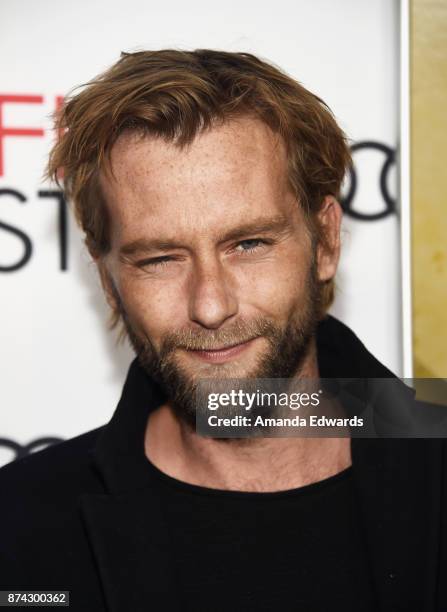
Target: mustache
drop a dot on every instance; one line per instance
(238, 333)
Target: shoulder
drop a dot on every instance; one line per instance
(41, 532)
(401, 466)
(58, 470)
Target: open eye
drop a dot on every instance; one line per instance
(250, 245)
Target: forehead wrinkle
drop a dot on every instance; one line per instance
(230, 137)
(152, 174)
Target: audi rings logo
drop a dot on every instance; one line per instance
(20, 450)
(389, 203)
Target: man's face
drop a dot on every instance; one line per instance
(211, 263)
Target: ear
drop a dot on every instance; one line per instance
(328, 252)
(107, 283)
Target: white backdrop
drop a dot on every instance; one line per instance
(60, 370)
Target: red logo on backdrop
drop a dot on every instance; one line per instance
(16, 131)
(17, 195)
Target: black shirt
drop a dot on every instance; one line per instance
(84, 516)
(300, 549)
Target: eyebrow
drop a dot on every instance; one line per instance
(278, 224)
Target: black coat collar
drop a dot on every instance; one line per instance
(399, 485)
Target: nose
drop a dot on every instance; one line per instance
(212, 298)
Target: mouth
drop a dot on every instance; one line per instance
(221, 354)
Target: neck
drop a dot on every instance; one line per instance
(260, 464)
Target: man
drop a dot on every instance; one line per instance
(207, 185)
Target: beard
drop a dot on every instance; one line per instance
(288, 346)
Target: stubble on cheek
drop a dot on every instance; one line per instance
(294, 317)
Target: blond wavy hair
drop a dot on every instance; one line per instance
(176, 94)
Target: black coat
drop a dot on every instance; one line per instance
(82, 516)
